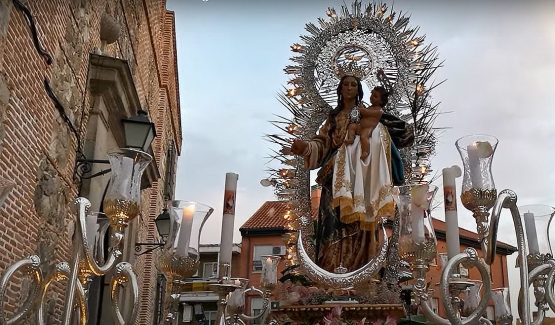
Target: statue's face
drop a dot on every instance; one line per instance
(349, 88)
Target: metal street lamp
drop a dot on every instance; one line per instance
(139, 131)
(163, 223)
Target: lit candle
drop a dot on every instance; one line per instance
(418, 205)
(185, 231)
(474, 165)
(228, 219)
(450, 203)
(269, 273)
(531, 235)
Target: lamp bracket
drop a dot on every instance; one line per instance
(147, 247)
(84, 166)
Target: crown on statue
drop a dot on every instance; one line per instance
(352, 69)
(352, 60)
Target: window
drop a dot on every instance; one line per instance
(210, 317)
(160, 293)
(257, 305)
(259, 251)
(210, 270)
(169, 185)
(187, 314)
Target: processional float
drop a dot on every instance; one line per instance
(377, 44)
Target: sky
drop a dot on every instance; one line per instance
(499, 67)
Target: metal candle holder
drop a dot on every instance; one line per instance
(232, 289)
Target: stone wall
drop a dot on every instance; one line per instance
(38, 140)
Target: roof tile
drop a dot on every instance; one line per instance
(269, 216)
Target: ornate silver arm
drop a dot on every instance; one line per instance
(542, 279)
(550, 295)
(124, 273)
(468, 257)
(508, 199)
(61, 273)
(82, 206)
(31, 266)
(265, 307)
(449, 291)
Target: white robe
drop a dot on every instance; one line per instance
(362, 189)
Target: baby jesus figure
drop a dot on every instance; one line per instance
(369, 119)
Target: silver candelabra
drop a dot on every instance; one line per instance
(121, 206)
(232, 291)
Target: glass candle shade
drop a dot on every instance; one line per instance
(236, 302)
(502, 305)
(537, 222)
(471, 297)
(269, 271)
(417, 240)
(478, 187)
(188, 219)
(122, 200)
(443, 259)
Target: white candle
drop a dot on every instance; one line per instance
(228, 219)
(185, 231)
(474, 165)
(417, 221)
(450, 204)
(531, 235)
(269, 271)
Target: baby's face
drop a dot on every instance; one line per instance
(375, 98)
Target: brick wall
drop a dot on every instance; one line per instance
(37, 146)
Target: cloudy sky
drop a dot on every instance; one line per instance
(499, 66)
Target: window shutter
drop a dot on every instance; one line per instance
(169, 186)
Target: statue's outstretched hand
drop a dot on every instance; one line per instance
(298, 147)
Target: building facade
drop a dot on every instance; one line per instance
(70, 71)
(262, 234)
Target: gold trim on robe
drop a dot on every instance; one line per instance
(362, 188)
